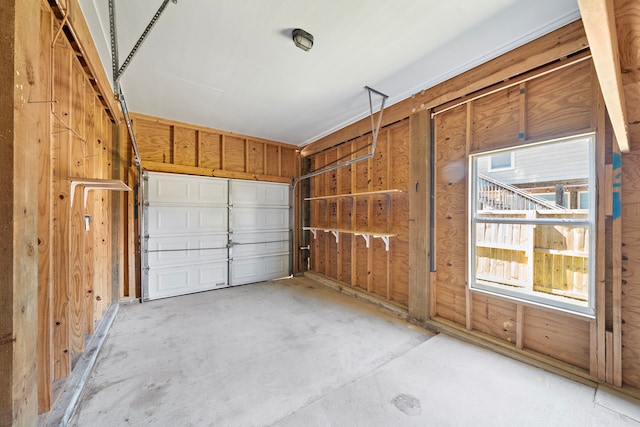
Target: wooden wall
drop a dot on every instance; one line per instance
(19, 134)
(79, 139)
(377, 202)
(543, 90)
(169, 146)
(561, 103)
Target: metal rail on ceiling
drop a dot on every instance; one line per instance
(375, 129)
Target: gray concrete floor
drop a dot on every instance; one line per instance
(295, 353)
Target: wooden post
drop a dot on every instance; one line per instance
(419, 208)
(20, 122)
(45, 231)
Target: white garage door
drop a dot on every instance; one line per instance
(260, 233)
(205, 233)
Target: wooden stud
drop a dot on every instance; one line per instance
(617, 267)
(77, 323)
(608, 339)
(467, 292)
(45, 227)
(420, 302)
(20, 121)
(354, 210)
(339, 244)
(519, 326)
(370, 221)
(198, 148)
(600, 297)
(61, 298)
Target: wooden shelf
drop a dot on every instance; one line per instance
(352, 195)
(366, 235)
(562, 252)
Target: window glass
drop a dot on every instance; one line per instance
(522, 244)
(503, 160)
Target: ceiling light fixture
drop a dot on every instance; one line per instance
(302, 39)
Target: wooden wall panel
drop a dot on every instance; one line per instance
(450, 214)
(272, 160)
(234, 154)
(210, 150)
(372, 269)
(154, 141)
(185, 144)
(76, 226)
(560, 103)
(556, 104)
(378, 269)
(495, 121)
(176, 147)
(61, 148)
(75, 136)
(558, 335)
(45, 226)
(630, 269)
(256, 157)
(289, 158)
(494, 316)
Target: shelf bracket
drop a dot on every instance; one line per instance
(336, 234)
(366, 238)
(95, 184)
(385, 239)
(313, 231)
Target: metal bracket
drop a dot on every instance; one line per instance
(385, 239)
(374, 130)
(312, 229)
(366, 238)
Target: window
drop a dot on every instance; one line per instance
(523, 246)
(583, 200)
(501, 161)
(551, 197)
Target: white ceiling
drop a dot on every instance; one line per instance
(231, 64)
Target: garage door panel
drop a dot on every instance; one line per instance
(252, 244)
(259, 193)
(163, 220)
(180, 280)
(175, 189)
(253, 218)
(176, 250)
(257, 269)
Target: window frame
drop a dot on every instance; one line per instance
(512, 163)
(551, 301)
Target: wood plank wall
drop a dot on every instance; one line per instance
(557, 104)
(75, 265)
(170, 146)
(556, 95)
(374, 270)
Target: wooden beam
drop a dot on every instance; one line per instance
(45, 232)
(194, 170)
(419, 238)
(598, 17)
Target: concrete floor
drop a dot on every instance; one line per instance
(295, 353)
